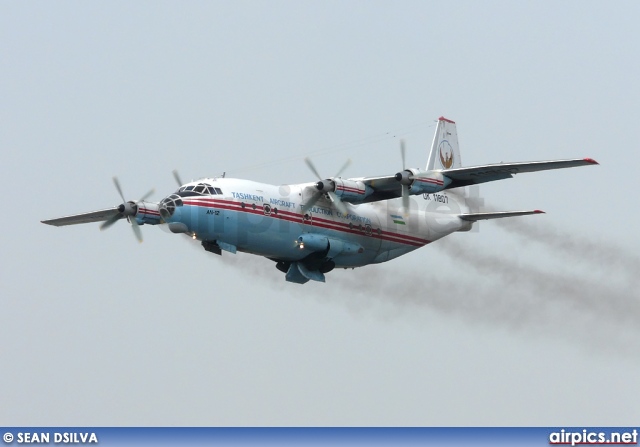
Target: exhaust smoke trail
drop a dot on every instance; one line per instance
(498, 291)
(578, 293)
(520, 298)
(585, 250)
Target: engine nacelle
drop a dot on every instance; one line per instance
(147, 213)
(351, 191)
(428, 182)
(421, 182)
(318, 243)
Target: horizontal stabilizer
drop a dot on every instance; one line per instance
(94, 216)
(498, 171)
(485, 216)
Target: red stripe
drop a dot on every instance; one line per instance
(146, 211)
(430, 180)
(349, 189)
(316, 221)
(388, 233)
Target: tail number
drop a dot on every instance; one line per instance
(436, 197)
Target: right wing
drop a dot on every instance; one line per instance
(94, 216)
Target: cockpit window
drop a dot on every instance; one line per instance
(199, 189)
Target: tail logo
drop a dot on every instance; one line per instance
(446, 154)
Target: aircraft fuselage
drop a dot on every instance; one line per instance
(268, 220)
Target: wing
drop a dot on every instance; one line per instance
(387, 187)
(94, 216)
(498, 171)
(384, 188)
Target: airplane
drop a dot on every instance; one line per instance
(311, 228)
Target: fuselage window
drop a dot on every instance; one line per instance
(199, 189)
(211, 190)
(189, 188)
(218, 190)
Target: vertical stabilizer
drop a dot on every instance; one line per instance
(445, 153)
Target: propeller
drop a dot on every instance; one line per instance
(177, 177)
(404, 177)
(326, 186)
(405, 187)
(126, 209)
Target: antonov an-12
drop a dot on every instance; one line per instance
(309, 229)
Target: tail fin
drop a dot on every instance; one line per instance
(445, 153)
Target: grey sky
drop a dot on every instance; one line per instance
(99, 330)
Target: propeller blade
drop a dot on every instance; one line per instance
(136, 229)
(117, 183)
(338, 203)
(110, 221)
(403, 154)
(147, 195)
(312, 201)
(177, 177)
(345, 166)
(405, 198)
(307, 160)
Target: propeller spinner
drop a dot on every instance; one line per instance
(126, 209)
(325, 186)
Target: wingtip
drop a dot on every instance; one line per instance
(591, 161)
(539, 212)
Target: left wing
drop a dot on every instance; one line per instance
(499, 171)
(384, 188)
(389, 187)
(94, 216)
